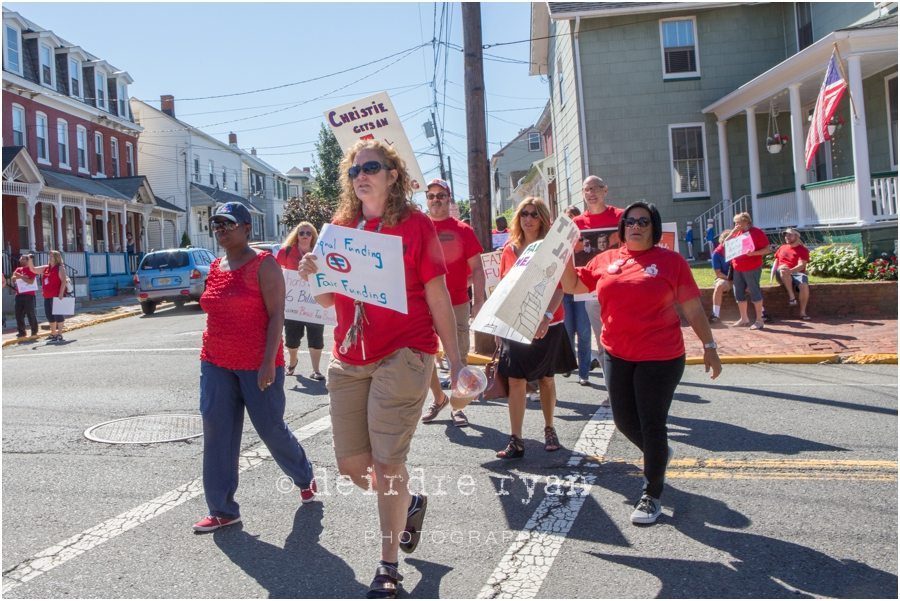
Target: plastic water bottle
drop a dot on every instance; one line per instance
(470, 383)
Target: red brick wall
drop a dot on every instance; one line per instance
(858, 299)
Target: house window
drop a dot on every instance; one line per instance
(679, 47)
(18, 125)
(47, 227)
(81, 147)
(559, 79)
(688, 160)
(71, 239)
(235, 181)
(196, 169)
(98, 153)
(46, 55)
(122, 99)
(566, 170)
(24, 240)
(12, 50)
(100, 90)
(804, 25)
(224, 178)
(114, 156)
(892, 115)
(41, 131)
(534, 141)
(129, 158)
(62, 139)
(212, 174)
(74, 78)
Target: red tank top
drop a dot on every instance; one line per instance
(51, 282)
(236, 317)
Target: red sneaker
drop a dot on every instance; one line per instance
(308, 495)
(211, 522)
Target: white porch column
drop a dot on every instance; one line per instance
(753, 156)
(87, 228)
(31, 204)
(106, 226)
(724, 165)
(860, 143)
(798, 152)
(59, 236)
(122, 226)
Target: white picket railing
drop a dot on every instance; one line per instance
(884, 198)
(831, 204)
(776, 211)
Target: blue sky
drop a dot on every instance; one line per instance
(196, 50)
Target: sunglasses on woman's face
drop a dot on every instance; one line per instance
(641, 222)
(532, 214)
(222, 224)
(304, 234)
(369, 168)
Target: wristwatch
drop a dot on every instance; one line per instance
(548, 315)
(710, 345)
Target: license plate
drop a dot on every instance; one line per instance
(163, 281)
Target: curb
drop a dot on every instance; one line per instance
(77, 326)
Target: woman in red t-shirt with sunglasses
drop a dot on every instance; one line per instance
(640, 287)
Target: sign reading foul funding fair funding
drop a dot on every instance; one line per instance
(516, 306)
(374, 118)
(365, 266)
(300, 304)
(741, 245)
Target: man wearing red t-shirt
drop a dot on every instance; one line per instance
(597, 214)
(791, 259)
(25, 300)
(462, 255)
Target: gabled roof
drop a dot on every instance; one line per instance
(163, 204)
(132, 187)
(882, 21)
(27, 168)
(524, 132)
(72, 183)
(203, 196)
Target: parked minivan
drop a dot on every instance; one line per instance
(174, 274)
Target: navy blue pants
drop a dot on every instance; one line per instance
(578, 324)
(640, 395)
(224, 393)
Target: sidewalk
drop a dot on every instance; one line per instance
(781, 341)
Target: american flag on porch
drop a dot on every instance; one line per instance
(826, 104)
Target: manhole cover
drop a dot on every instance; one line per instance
(145, 429)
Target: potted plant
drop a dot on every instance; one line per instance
(775, 143)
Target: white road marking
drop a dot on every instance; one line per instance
(60, 553)
(105, 351)
(528, 560)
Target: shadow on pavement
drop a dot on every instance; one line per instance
(302, 569)
(429, 586)
(721, 437)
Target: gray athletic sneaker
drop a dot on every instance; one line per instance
(646, 511)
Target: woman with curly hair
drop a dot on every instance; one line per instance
(382, 359)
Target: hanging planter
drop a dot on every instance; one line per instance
(775, 141)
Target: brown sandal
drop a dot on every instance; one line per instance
(386, 583)
(551, 440)
(515, 448)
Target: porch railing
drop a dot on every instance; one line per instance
(831, 202)
(93, 264)
(775, 210)
(722, 213)
(884, 196)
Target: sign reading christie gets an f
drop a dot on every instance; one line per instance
(374, 118)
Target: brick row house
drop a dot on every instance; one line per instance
(70, 161)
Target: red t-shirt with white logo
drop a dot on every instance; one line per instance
(459, 244)
(638, 291)
(508, 259)
(790, 256)
(385, 330)
(608, 218)
(745, 263)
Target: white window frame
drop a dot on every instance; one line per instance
(676, 194)
(71, 229)
(77, 75)
(891, 128)
(25, 240)
(129, 159)
(224, 178)
(99, 154)
(81, 150)
(48, 227)
(19, 111)
(537, 135)
(197, 168)
(662, 48)
(7, 51)
(212, 173)
(559, 79)
(51, 65)
(44, 127)
(100, 92)
(63, 150)
(114, 156)
(122, 98)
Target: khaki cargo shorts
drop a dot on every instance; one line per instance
(461, 312)
(376, 407)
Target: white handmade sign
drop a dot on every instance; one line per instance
(374, 118)
(491, 264)
(741, 245)
(22, 286)
(366, 266)
(498, 239)
(300, 304)
(515, 309)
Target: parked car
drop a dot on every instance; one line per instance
(174, 274)
(272, 247)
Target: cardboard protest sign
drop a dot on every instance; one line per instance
(669, 236)
(22, 286)
(366, 266)
(491, 264)
(515, 309)
(741, 245)
(374, 118)
(498, 239)
(300, 304)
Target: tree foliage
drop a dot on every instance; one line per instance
(327, 185)
(311, 208)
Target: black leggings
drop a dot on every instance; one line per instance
(640, 394)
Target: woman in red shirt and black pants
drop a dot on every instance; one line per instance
(640, 286)
(53, 286)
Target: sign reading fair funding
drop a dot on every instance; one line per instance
(374, 118)
(516, 306)
(365, 266)
(300, 304)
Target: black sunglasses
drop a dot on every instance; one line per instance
(369, 168)
(640, 222)
(304, 233)
(532, 214)
(222, 224)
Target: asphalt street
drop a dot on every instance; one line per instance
(784, 484)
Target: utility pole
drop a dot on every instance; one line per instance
(476, 134)
(450, 171)
(479, 169)
(437, 137)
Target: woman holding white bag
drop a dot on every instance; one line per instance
(53, 285)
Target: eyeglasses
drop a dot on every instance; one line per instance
(439, 195)
(223, 225)
(532, 214)
(369, 168)
(304, 234)
(641, 222)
